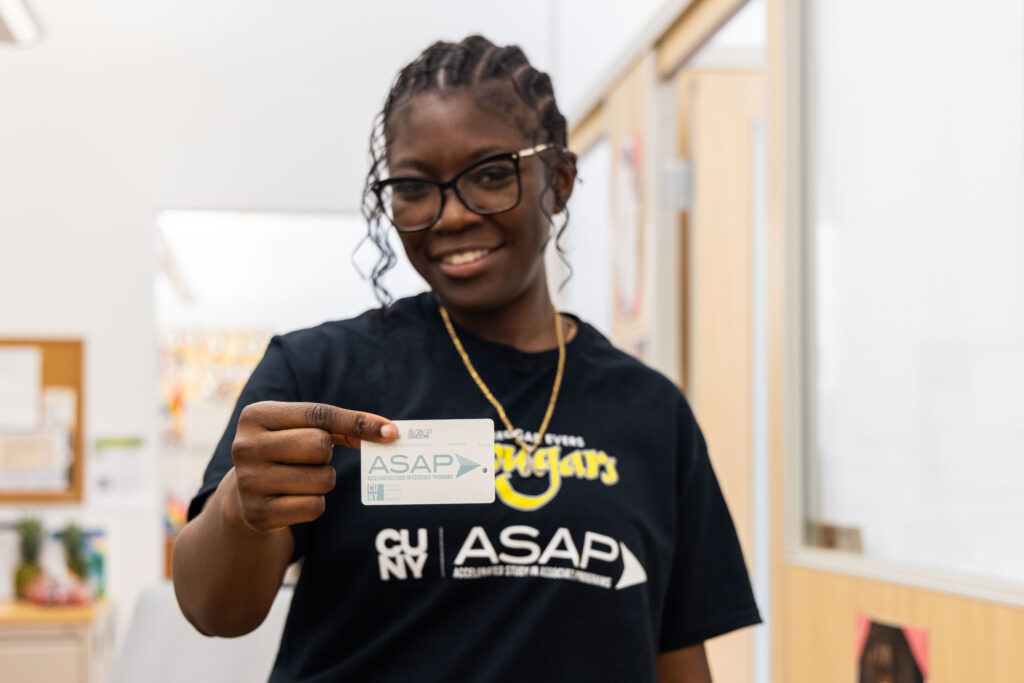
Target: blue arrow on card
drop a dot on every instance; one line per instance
(465, 465)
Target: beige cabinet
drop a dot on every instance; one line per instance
(55, 644)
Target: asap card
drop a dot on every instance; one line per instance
(431, 462)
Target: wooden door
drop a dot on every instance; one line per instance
(719, 112)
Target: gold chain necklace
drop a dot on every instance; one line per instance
(490, 397)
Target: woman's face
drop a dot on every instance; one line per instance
(475, 263)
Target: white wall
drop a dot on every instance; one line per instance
(588, 38)
(129, 107)
(587, 244)
(271, 271)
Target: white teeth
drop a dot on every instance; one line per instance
(465, 256)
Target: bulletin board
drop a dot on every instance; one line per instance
(41, 419)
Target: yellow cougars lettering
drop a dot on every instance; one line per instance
(506, 458)
(611, 474)
(587, 464)
(525, 501)
(572, 465)
(545, 459)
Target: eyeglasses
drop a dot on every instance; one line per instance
(492, 185)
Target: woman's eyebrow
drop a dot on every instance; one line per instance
(412, 164)
(426, 168)
(490, 150)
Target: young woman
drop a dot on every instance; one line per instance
(608, 554)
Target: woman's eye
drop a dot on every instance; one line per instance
(492, 176)
(408, 190)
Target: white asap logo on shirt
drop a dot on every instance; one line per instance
(520, 553)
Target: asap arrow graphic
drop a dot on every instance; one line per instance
(632, 571)
(465, 465)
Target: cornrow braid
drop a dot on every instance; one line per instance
(443, 67)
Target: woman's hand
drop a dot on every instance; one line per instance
(282, 455)
(229, 560)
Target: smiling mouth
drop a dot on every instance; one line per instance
(462, 257)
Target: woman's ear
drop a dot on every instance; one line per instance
(564, 180)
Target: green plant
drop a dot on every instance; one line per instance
(30, 536)
(73, 539)
(30, 533)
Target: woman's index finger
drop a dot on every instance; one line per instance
(331, 419)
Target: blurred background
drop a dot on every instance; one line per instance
(807, 213)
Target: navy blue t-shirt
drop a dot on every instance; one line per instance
(610, 544)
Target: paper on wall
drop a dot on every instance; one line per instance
(36, 462)
(117, 472)
(60, 408)
(21, 376)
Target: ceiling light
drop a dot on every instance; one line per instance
(18, 24)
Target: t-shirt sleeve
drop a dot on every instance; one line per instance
(709, 591)
(273, 380)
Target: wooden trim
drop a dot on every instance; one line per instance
(784, 219)
(29, 614)
(691, 30)
(1002, 592)
(684, 122)
(592, 128)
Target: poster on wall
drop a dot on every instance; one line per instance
(39, 462)
(887, 653)
(118, 472)
(629, 319)
(203, 368)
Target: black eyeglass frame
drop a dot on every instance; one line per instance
(381, 185)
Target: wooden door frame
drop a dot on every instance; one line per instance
(784, 149)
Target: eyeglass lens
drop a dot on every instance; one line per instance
(486, 189)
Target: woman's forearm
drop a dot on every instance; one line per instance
(226, 575)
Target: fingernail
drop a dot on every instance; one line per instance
(388, 431)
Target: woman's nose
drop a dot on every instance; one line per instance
(455, 215)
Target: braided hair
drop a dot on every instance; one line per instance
(475, 64)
